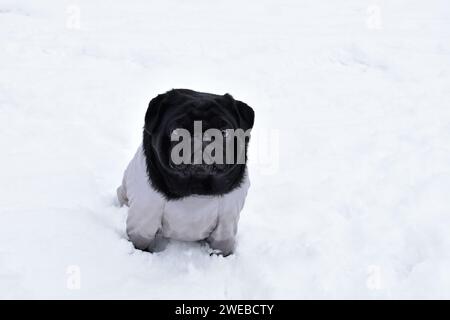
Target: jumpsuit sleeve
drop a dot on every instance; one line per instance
(143, 222)
(223, 237)
(145, 204)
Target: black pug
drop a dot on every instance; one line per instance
(199, 198)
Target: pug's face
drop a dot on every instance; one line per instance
(192, 143)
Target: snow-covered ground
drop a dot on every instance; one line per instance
(350, 161)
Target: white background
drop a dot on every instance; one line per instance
(350, 162)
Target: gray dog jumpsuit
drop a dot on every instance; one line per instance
(193, 218)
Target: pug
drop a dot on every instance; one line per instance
(188, 179)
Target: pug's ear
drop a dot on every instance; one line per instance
(153, 113)
(244, 112)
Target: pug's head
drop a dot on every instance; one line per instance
(196, 143)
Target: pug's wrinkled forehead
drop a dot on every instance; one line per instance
(184, 106)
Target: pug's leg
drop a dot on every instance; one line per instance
(223, 239)
(122, 194)
(222, 247)
(143, 224)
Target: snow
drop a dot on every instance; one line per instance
(349, 161)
